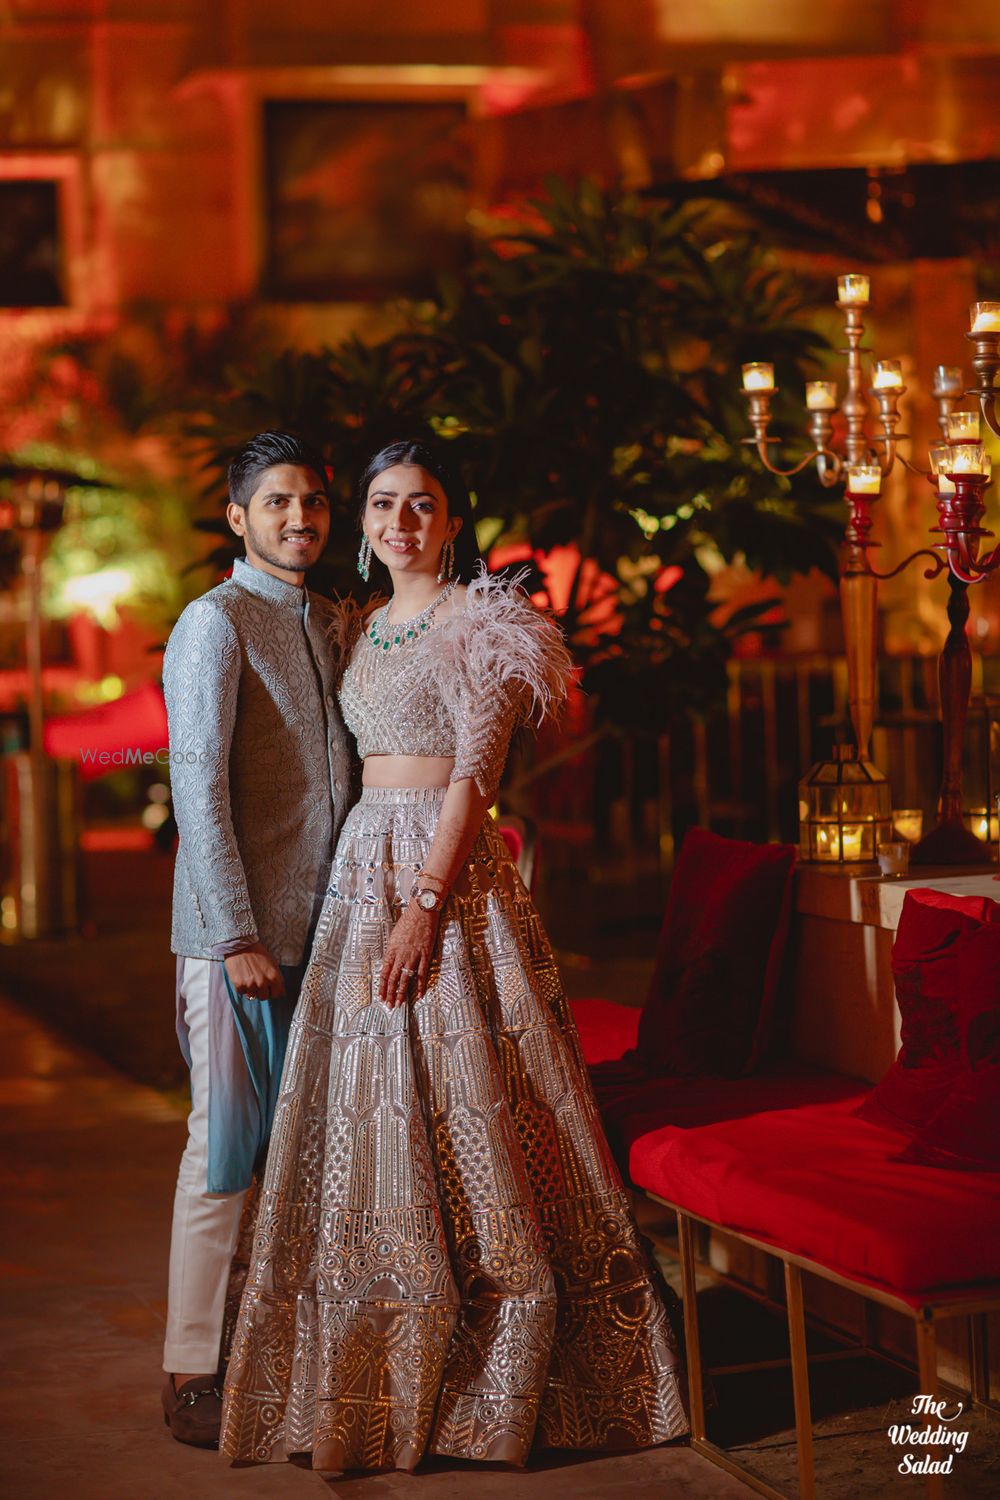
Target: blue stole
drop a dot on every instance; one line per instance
(247, 1041)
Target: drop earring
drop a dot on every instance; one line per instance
(447, 566)
(364, 556)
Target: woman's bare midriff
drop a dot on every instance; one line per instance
(407, 770)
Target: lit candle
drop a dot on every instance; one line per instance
(977, 821)
(984, 317)
(864, 479)
(853, 290)
(948, 380)
(758, 377)
(940, 455)
(908, 822)
(852, 836)
(821, 395)
(968, 458)
(888, 375)
(963, 427)
(827, 841)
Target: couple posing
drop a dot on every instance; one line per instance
(444, 1259)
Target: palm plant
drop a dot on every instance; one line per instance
(587, 371)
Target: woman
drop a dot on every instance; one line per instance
(445, 1259)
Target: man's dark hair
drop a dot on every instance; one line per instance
(262, 453)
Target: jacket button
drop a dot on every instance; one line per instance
(329, 699)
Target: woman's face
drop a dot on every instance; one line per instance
(406, 520)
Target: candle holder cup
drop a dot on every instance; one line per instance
(984, 335)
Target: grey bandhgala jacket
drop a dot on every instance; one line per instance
(259, 765)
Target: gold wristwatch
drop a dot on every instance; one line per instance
(425, 897)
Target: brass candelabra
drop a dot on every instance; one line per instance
(958, 468)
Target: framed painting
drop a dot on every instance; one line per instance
(30, 246)
(365, 200)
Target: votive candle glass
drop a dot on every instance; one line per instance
(963, 427)
(888, 375)
(758, 377)
(864, 479)
(984, 317)
(853, 290)
(821, 395)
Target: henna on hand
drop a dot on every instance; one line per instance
(409, 948)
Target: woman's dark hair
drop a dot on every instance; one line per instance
(427, 453)
(262, 453)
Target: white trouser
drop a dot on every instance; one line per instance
(206, 1225)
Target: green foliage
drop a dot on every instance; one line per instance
(121, 542)
(107, 405)
(588, 374)
(117, 547)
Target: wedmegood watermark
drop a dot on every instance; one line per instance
(131, 755)
(933, 1433)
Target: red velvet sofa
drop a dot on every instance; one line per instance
(818, 1170)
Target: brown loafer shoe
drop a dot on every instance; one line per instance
(194, 1413)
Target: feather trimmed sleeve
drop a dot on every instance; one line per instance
(506, 665)
(345, 619)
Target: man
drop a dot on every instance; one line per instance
(259, 774)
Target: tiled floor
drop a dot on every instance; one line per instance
(87, 1160)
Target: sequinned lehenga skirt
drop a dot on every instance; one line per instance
(445, 1259)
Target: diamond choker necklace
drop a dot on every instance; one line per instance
(384, 634)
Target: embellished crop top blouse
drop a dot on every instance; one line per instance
(460, 688)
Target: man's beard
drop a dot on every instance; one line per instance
(265, 553)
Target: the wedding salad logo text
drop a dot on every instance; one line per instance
(933, 1433)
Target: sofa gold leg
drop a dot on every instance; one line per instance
(927, 1356)
(979, 1363)
(800, 1381)
(696, 1397)
(928, 1376)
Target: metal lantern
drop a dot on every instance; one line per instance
(845, 810)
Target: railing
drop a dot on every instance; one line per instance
(736, 770)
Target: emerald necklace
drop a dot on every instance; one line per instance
(385, 634)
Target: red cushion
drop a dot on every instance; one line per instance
(512, 838)
(927, 970)
(607, 1029)
(632, 1103)
(719, 956)
(964, 1132)
(822, 1183)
